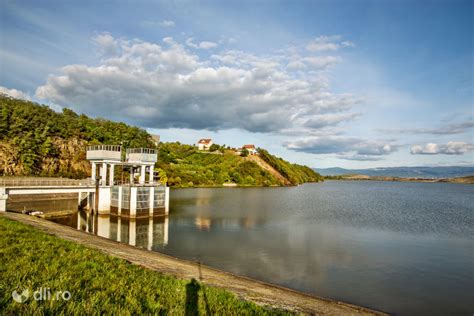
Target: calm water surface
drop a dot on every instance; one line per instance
(404, 248)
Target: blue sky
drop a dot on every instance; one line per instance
(354, 84)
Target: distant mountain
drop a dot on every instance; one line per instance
(403, 172)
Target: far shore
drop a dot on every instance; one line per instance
(361, 177)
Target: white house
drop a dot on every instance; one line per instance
(204, 144)
(250, 148)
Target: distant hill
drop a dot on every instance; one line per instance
(403, 172)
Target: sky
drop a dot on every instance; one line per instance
(354, 84)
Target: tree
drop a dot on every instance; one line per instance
(214, 147)
(162, 176)
(244, 153)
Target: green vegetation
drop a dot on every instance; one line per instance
(185, 166)
(295, 173)
(98, 283)
(35, 140)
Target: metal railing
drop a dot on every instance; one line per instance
(142, 151)
(105, 147)
(45, 182)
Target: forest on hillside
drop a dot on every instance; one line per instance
(37, 141)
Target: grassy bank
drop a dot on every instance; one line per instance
(98, 283)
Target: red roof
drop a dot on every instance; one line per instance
(249, 146)
(205, 141)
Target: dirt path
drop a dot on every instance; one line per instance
(263, 164)
(259, 292)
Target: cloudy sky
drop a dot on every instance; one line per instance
(326, 83)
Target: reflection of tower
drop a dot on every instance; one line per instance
(150, 233)
(103, 226)
(165, 231)
(119, 229)
(132, 232)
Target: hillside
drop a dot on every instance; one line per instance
(186, 166)
(37, 141)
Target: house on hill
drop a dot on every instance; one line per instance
(250, 148)
(204, 144)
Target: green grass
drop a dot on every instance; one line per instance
(98, 283)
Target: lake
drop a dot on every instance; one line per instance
(404, 248)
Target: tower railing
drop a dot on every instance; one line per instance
(104, 152)
(141, 155)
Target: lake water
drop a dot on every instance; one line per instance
(404, 248)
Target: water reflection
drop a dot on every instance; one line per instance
(150, 232)
(405, 248)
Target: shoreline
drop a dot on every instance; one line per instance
(256, 291)
(358, 177)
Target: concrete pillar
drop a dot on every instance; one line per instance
(151, 174)
(119, 211)
(3, 199)
(152, 199)
(103, 174)
(133, 201)
(94, 169)
(111, 175)
(142, 174)
(104, 200)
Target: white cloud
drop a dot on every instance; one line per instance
(446, 129)
(451, 148)
(162, 86)
(207, 45)
(167, 23)
(327, 43)
(321, 61)
(107, 44)
(320, 121)
(353, 148)
(201, 45)
(14, 93)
